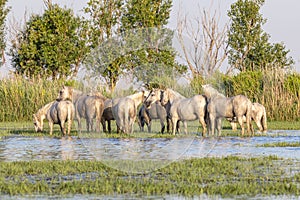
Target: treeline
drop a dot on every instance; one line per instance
(277, 91)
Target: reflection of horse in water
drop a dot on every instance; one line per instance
(67, 148)
(156, 111)
(86, 106)
(124, 110)
(220, 107)
(185, 109)
(258, 115)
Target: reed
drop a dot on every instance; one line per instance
(20, 98)
(276, 89)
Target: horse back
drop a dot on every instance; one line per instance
(190, 108)
(61, 111)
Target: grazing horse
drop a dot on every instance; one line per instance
(38, 118)
(56, 112)
(124, 110)
(86, 106)
(220, 107)
(258, 115)
(156, 111)
(185, 109)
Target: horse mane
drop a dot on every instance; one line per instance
(211, 92)
(176, 94)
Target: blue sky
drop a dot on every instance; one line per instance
(282, 17)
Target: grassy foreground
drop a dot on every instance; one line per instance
(227, 176)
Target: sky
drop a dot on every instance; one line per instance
(282, 18)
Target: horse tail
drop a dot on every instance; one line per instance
(264, 120)
(99, 108)
(249, 117)
(71, 111)
(126, 120)
(206, 113)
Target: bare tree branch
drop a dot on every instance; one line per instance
(206, 49)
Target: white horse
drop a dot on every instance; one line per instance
(38, 118)
(220, 107)
(59, 113)
(124, 110)
(56, 112)
(258, 115)
(185, 109)
(88, 106)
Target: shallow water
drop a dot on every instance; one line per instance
(167, 150)
(18, 148)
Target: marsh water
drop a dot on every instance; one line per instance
(24, 148)
(167, 150)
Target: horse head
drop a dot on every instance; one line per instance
(38, 123)
(153, 96)
(66, 93)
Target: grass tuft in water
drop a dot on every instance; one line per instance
(280, 144)
(212, 176)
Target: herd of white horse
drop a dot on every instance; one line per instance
(166, 105)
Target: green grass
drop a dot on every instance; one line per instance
(281, 144)
(213, 176)
(194, 129)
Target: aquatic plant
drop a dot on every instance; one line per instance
(226, 176)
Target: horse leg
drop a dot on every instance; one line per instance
(103, 125)
(178, 126)
(79, 124)
(202, 122)
(87, 125)
(174, 125)
(185, 126)
(233, 126)
(168, 124)
(241, 123)
(219, 125)
(212, 122)
(162, 125)
(149, 127)
(62, 127)
(51, 127)
(69, 126)
(91, 123)
(109, 126)
(98, 121)
(258, 123)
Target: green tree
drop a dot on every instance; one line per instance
(151, 54)
(130, 38)
(248, 43)
(51, 46)
(3, 13)
(104, 62)
(104, 16)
